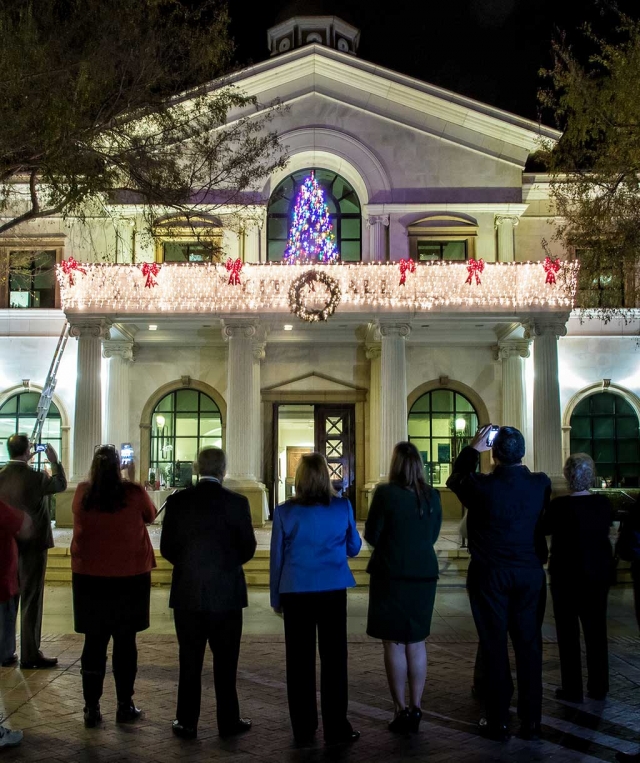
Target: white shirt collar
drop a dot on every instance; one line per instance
(210, 479)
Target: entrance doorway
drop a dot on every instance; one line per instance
(326, 429)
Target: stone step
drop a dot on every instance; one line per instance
(454, 564)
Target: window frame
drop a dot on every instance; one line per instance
(443, 229)
(624, 289)
(336, 218)
(38, 461)
(28, 244)
(430, 437)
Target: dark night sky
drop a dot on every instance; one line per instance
(490, 50)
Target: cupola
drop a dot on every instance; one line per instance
(299, 30)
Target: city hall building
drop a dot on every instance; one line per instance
(441, 315)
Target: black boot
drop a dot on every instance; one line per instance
(127, 712)
(92, 716)
(92, 682)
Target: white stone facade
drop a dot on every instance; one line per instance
(419, 159)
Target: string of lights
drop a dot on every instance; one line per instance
(204, 287)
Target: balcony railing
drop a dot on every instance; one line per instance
(364, 287)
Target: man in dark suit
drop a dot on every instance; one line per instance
(207, 535)
(506, 579)
(30, 490)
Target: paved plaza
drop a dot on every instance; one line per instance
(48, 704)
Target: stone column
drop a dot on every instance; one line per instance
(393, 390)
(514, 398)
(256, 404)
(243, 415)
(117, 424)
(87, 425)
(547, 417)
(373, 352)
(377, 225)
(505, 225)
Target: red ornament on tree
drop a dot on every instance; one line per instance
(474, 268)
(68, 266)
(150, 270)
(551, 267)
(234, 267)
(405, 266)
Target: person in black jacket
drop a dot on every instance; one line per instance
(207, 535)
(403, 525)
(580, 571)
(506, 578)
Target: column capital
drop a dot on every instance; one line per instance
(512, 220)
(124, 350)
(94, 328)
(395, 329)
(538, 327)
(378, 220)
(258, 349)
(510, 348)
(373, 351)
(240, 328)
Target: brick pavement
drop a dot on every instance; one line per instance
(48, 705)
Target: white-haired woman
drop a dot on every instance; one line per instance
(580, 568)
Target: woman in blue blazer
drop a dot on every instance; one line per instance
(313, 534)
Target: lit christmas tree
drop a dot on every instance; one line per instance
(311, 236)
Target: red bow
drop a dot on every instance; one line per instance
(68, 266)
(234, 267)
(149, 270)
(475, 267)
(551, 267)
(406, 265)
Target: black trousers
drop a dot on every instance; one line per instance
(94, 665)
(223, 631)
(506, 602)
(32, 565)
(325, 611)
(575, 603)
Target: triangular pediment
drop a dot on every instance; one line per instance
(313, 382)
(326, 73)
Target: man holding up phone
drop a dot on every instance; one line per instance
(506, 579)
(28, 490)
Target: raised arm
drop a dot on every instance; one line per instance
(57, 482)
(460, 481)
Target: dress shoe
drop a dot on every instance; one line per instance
(568, 696)
(628, 757)
(127, 712)
(415, 716)
(9, 737)
(530, 731)
(498, 733)
(40, 663)
(10, 661)
(92, 716)
(240, 726)
(184, 732)
(349, 738)
(400, 723)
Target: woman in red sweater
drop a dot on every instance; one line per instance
(111, 561)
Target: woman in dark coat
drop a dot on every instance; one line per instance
(111, 562)
(580, 570)
(403, 525)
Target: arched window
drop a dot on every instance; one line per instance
(18, 414)
(605, 426)
(183, 422)
(441, 423)
(344, 212)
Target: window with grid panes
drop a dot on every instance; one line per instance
(599, 285)
(441, 423)
(344, 213)
(32, 279)
(432, 251)
(605, 426)
(18, 414)
(183, 422)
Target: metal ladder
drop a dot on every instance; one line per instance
(49, 386)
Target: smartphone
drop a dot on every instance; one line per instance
(491, 436)
(126, 454)
(40, 447)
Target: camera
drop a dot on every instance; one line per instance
(491, 435)
(40, 447)
(126, 454)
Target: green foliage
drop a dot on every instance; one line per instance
(596, 164)
(104, 102)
